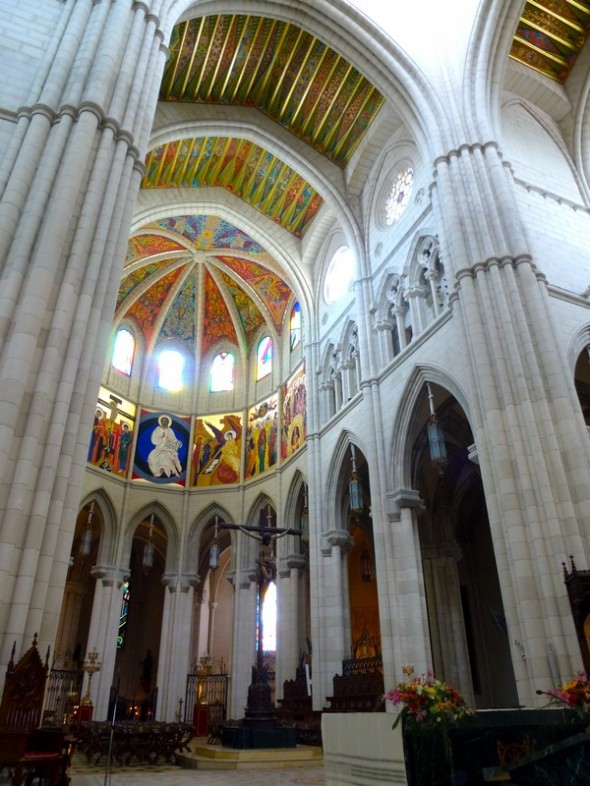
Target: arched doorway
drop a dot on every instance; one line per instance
(365, 633)
(468, 632)
(138, 639)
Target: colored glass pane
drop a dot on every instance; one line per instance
(399, 195)
(295, 325)
(170, 367)
(222, 372)
(124, 351)
(264, 357)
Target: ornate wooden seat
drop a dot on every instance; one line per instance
(25, 748)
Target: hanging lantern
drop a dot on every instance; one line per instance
(86, 540)
(304, 518)
(436, 438)
(148, 551)
(355, 489)
(214, 550)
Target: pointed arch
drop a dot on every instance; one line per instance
(194, 543)
(109, 521)
(404, 421)
(169, 526)
(338, 476)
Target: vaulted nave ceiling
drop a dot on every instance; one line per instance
(200, 288)
(550, 36)
(199, 279)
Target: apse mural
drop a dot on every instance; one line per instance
(112, 433)
(262, 437)
(294, 413)
(162, 448)
(217, 450)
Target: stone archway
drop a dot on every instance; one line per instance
(468, 632)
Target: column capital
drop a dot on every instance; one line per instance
(336, 537)
(110, 575)
(291, 562)
(403, 498)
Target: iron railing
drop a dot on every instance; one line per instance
(206, 689)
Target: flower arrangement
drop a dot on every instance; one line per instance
(575, 694)
(427, 700)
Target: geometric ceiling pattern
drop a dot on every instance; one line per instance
(550, 35)
(243, 168)
(199, 280)
(287, 73)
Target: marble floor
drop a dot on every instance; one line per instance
(170, 775)
(176, 776)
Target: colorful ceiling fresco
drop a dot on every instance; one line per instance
(284, 72)
(242, 167)
(278, 68)
(550, 35)
(207, 294)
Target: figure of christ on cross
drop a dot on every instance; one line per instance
(259, 710)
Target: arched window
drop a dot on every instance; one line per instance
(339, 274)
(269, 618)
(222, 372)
(399, 195)
(264, 357)
(170, 368)
(124, 351)
(295, 325)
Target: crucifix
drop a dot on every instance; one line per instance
(259, 711)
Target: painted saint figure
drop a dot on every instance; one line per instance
(163, 459)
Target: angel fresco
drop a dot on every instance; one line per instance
(217, 451)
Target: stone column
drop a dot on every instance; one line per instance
(383, 329)
(525, 416)
(243, 644)
(400, 582)
(174, 655)
(334, 615)
(102, 636)
(67, 191)
(70, 616)
(445, 613)
(288, 623)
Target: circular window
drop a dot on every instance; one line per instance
(339, 274)
(399, 195)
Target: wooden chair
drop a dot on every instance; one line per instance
(28, 751)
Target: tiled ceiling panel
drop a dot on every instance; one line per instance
(550, 35)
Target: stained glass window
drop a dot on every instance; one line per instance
(222, 372)
(399, 196)
(170, 367)
(269, 618)
(295, 325)
(123, 616)
(124, 351)
(264, 357)
(339, 274)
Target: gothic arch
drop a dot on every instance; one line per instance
(403, 423)
(169, 526)
(108, 533)
(336, 477)
(486, 64)
(578, 343)
(194, 545)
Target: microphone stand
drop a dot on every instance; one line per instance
(107, 774)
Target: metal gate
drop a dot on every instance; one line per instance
(64, 687)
